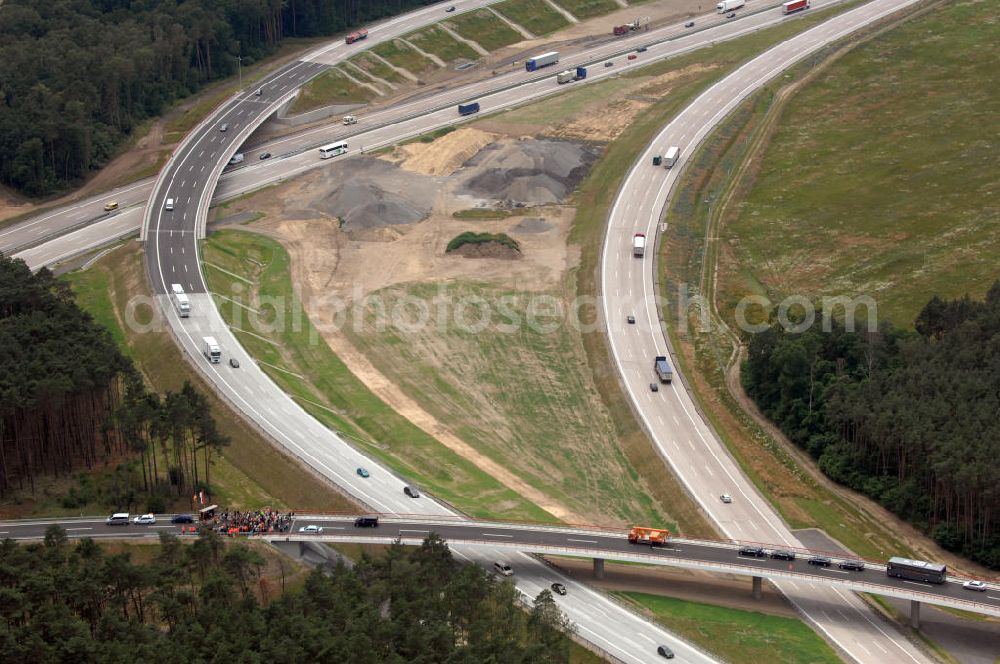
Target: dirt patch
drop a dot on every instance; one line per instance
(532, 225)
(443, 156)
(487, 250)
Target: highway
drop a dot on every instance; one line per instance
(681, 435)
(89, 226)
(503, 540)
(685, 441)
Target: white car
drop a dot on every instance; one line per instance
(311, 530)
(726, 498)
(974, 585)
(144, 519)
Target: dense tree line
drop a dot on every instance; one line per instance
(207, 602)
(77, 76)
(908, 418)
(70, 399)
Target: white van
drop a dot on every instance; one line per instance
(169, 205)
(118, 519)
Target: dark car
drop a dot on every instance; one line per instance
(852, 565)
(558, 588)
(821, 561)
(664, 651)
(752, 551)
(641, 49)
(265, 155)
(411, 491)
(630, 319)
(781, 554)
(362, 472)
(450, 8)
(234, 363)
(689, 24)
(366, 522)
(653, 387)
(609, 63)
(182, 518)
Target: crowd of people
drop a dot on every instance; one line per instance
(253, 522)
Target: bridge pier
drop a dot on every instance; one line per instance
(756, 587)
(914, 614)
(598, 568)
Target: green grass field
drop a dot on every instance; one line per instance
(588, 8)
(536, 16)
(735, 635)
(301, 363)
(403, 56)
(485, 28)
(513, 390)
(434, 40)
(249, 473)
(881, 179)
(330, 87)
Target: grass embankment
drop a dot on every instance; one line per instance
(435, 40)
(250, 472)
(505, 372)
(583, 9)
(331, 87)
(404, 57)
(483, 27)
(371, 65)
(735, 635)
(299, 361)
(785, 476)
(535, 16)
(880, 176)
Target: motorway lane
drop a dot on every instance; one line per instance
(679, 432)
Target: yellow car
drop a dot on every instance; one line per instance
(111, 205)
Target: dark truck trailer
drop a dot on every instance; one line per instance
(663, 370)
(468, 109)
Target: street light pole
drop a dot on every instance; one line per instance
(239, 66)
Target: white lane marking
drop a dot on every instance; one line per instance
(569, 539)
(79, 529)
(495, 535)
(412, 530)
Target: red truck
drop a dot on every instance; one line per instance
(621, 29)
(794, 6)
(356, 36)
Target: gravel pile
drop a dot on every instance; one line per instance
(370, 193)
(531, 172)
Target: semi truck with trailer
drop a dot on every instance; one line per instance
(357, 35)
(468, 109)
(212, 350)
(543, 60)
(669, 159)
(794, 6)
(662, 368)
(181, 302)
(648, 536)
(729, 5)
(639, 245)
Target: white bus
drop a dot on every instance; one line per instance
(332, 150)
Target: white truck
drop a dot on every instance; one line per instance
(212, 351)
(350, 119)
(236, 159)
(729, 5)
(181, 302)
(639, 245)
(669, 159)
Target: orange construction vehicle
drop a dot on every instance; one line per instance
(650, 536)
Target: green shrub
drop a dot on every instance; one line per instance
(471, 237)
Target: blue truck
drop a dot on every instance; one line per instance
(581, 73)
(539, 61)
(468, 109)
(663, 370)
